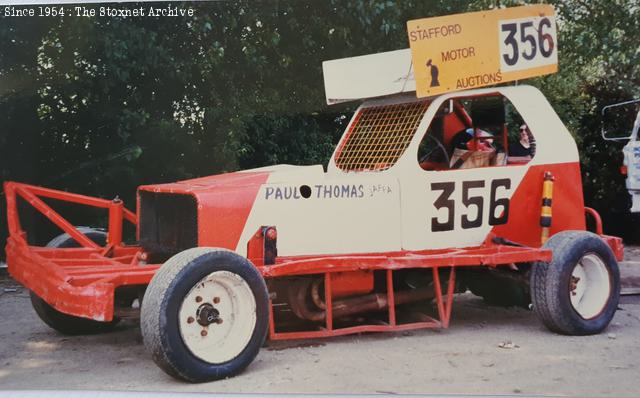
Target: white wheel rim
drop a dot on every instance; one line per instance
(233, 300)
(590, 286)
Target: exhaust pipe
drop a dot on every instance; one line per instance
(299, 296)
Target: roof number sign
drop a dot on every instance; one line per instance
(463, 51)
(527, 43)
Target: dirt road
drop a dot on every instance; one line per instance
(464, 359)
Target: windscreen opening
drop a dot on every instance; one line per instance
(379, 135)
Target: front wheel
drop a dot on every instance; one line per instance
(577, 293)
(205, 314)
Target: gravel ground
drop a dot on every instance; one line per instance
(464, 359)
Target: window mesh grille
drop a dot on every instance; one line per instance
(379, 136)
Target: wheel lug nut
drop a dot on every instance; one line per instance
(203, 333)
(198, 299)
(190, 319)
(216, 300)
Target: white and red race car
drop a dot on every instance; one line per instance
(423, 198)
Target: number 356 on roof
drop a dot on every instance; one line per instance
(463, 51)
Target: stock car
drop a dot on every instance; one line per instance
(410, 211)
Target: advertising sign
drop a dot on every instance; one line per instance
(464, 51)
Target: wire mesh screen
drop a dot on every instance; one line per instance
(379, 136)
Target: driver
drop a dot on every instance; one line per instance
(482, 140)
(474, 148)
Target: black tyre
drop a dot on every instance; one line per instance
(204, 315)
(59, 321)
(65, 240)
(68, 324)
(576, 293)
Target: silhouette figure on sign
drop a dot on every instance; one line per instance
(434, 74)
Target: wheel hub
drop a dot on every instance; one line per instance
(206, 314)
(589, 286)
(573, 284)
(218, 317)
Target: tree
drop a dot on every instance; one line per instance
(101, 105)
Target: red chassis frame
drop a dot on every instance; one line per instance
(82, 281)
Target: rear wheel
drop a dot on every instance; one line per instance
(205, 314)
(68, 324)
(59, 321)
(576, 293)
(66, 241)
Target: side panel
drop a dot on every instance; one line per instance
(444, 209)
(442, 219)
(567, 205)
(329, 216)
(446, 214)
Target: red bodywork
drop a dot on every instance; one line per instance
(82, 281)
(76, 281)
(226, 198)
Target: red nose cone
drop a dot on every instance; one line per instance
(272, 234)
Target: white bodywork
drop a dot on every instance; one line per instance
(391, 210)
(368, 76)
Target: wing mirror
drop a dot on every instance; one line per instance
(620, 121)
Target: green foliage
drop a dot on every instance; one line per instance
(599, 65)
(101, 105)
(194, 95)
